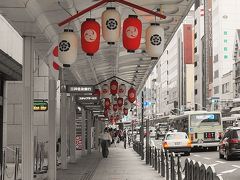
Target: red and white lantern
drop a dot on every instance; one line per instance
(154, 40)
(67, 47)
(111, 25)
(131, 95)
(105, 112)
(55, 51)
(105, 90)
(132, 32)
(107, 103)
(114, 87)
(120, 102)
(90, 36)
(125, 112)
(122, 90)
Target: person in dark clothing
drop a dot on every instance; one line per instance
(105, 138)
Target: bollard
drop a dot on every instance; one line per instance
(167, 165)
(150, 155)
(162, 163)
(3, 165)
(179, 173)
(155, 156)
(172, 166)
(16, 164)
(142, 152)
(158, 160)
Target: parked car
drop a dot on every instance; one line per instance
(229, 145)
(177, 142)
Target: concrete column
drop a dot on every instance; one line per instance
(27, 108)
(63, 130)
(97, 129)
(83, 131)
(72, 131)
(89, 125)
(52, 88)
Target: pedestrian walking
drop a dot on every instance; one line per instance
(105, 139)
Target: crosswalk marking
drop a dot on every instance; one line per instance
(236, 166)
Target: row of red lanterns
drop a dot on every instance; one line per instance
(111, 30)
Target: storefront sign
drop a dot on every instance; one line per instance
(87, 99)
(40, 106)
(78, 89)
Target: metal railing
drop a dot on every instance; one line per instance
(5, 170)
(168, 165)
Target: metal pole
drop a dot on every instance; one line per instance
(167, 166)
(147, 142)
(27, 111)
(179, 167)
(89, 125)
(1, 124)
(83, 131)
(72, 131)
(162, 164)
(155, 155)
(158, 160)
(142, 129)
(52, 128)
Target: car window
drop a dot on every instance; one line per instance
(235, 134)
(176, 136)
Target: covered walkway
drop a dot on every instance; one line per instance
(121, 164)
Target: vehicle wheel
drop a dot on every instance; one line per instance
(228, 157)
(221, 156)
(187, 153)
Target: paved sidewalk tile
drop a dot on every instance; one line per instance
(124, 164)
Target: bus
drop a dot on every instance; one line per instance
(204, 128)
(230, 122)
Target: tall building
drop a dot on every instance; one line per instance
(225, 22)
(174, 82)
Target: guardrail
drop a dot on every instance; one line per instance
(168, 165)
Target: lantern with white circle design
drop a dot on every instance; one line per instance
(120, 102)
(125, 112)
(154, 40)
(107, 103)
(122, 90)
(131, 95)
(105, 91)
(90, 36)
(111, 25)
(127, 104)
(115, 107)
(67, 47)
(132, 32)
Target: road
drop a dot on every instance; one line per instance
(229, 170)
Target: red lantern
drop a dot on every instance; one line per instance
(131, 95)
(97, 92)
(120, 102)
(90, 36)
(132, 32)
(114, 87)
(115, 107)
(125, 111)
(55, 51)
(122, 90)
(120, 109)
(55, 65)
(127, 104)
(107, 103)
(112, 119)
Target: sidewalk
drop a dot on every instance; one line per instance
(124, 164)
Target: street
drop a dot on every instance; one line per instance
(229, 170)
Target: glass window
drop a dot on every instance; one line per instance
(216, 74)
(225, 56)
(225, 48)
(205, 119)
(176, 136)
(225, 32)
(195, 91)
(216, 90)
(236, 134)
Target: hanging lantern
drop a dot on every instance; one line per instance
(122, 90)
(132, 32)
(131, 95)
(114, 87)
(68, 45)
(127, 104)
(90, 36)
(114, 99)
(111, 25)
(120, 102)
(154, 40)
(97, 92)
(112, 119)
(55, 51)
(115, 107)
(125, 111)
(105, 90)
(107, 103)
(120, 110)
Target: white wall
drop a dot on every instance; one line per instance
(11, 41)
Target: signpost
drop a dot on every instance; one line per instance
(40, 105)
(77, 89)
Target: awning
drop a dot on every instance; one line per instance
(235, 109)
